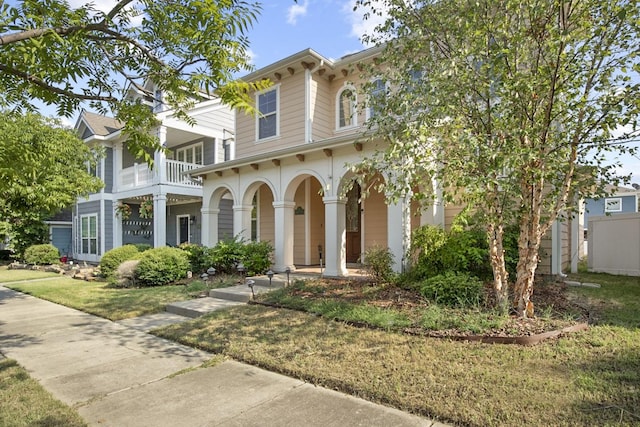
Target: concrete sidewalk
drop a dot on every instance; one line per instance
(116, 375)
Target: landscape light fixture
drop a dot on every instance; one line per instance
(270, 276)
(250, 283)
(288, 271)
(241, 270)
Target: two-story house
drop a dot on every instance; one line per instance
(138, 204)
(291, 183)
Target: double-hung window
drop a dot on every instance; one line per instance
(377, 94)
(268, 114)
(89, 234)
(613, 204)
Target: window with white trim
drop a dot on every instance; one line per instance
(346, 108)
(190, 154)
(378, 91)
(613, 205)
(268, 113)
(89, 234)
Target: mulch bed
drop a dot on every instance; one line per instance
(561, 314)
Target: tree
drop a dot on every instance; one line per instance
(44, 168)
(510, 105)
(67, 56)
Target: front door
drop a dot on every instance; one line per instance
(183, 229)
(353, 224)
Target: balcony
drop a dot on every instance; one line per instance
(140, 175)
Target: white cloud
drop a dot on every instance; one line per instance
(356, 18)
(297, 10)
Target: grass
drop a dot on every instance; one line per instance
(583, 379)
(7, 275)
(23, 402)
(96, 297)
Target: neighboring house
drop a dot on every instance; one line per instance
(137, 204)
(61, 232)
(620, 200)
(289, 179)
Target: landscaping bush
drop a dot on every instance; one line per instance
(42, 254)
(378, 263)
(256, 257)
(161, 266)
(199, 257)
(453, 289)
(142, 246)
(225, 255)
(116, 256)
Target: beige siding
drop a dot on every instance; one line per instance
(266, 216)
(291, 121)
(321, 118)
(450, 212)
(375, 220)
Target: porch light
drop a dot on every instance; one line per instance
(270, 276)
(192, 220)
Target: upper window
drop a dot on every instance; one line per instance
(268, 113)
(346, 107)
(613, 205)
(378, 91)
(190, 154)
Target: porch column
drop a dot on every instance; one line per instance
(117, 225)
(399, 233)
(159, 157)
(335, 237)
(283, 257)
(242, 221)
(159, 220)
(209, 230)
(117, 166)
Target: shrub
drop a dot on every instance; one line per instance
(161, 266)
(142, 246)
(42, 254)
(453, 289)
(256, 257)
(116, 256)
(378, 263)
(198, 257)
(225, 255)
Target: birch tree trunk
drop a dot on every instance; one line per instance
(500, 273)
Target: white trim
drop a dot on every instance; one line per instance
(275, 88)
(614, 200)
(178, 228)
(190, 147)
(97, 237)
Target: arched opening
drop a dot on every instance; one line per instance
(305, 192)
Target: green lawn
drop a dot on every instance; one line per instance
(583, 379)
(96, 297)
(7, 275)
(24, 403)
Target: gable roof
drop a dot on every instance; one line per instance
(97, 124)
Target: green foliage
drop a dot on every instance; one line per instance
(161, 266)
(378, 263)
(27, 231)
(42, 254)
(226, 254)
(256, 257)
(112, 259)
(435, 251)
(453, 289)
(199, 257)
(142, 246)
(185, 47)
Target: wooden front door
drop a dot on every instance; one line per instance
(353, 224)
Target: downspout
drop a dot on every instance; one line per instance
(308, 128)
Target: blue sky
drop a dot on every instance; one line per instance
(330, 27)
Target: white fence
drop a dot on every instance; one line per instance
(614, 244)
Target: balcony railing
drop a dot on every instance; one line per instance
(139, 175)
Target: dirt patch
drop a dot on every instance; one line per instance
(557, 313)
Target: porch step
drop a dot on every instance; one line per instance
(200, 306)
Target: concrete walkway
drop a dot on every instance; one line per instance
(117, 375)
